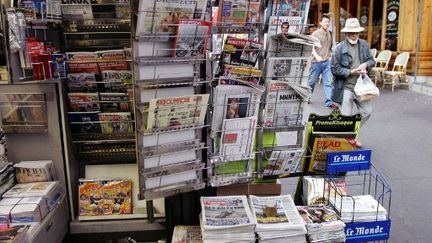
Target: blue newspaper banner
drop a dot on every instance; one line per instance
(367, 231)
(348, 161)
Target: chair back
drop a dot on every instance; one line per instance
(401, 62)
(383, 59)
(373, 52)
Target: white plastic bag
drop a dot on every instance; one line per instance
(365, 89)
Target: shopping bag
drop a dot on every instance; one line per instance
(365, 89)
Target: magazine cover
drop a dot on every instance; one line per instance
(77, 12)
(237, 139)
(117, 80)
(191, 38)
(282, 105)
(322, 214)
(82, 62)
(275, 25)
(81, 56)
(84, 122)
(177, 111)
(161, 17)
(187, 234)
(117, 196)
(114, 65)
(323, 145)
(234, 101)
(283, 162)
(114, 102)
(90, 197)
(226, 212)
(111, 55)
(83, 102)
(239, 12)
(292, 8)
(240, 52)
(115, 122)
(232, 73)
(81, 82)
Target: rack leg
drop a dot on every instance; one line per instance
(150, 211)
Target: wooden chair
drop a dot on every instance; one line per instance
(374, 53)
(381, 65)
(398, 72)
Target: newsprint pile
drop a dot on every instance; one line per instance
(227, 219)
(278, 219)
(323, 224)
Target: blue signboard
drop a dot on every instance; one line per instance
(348, 161)
(367, 231)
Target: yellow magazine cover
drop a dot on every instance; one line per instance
(322, 146)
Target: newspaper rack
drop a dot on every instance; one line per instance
(364, 182)
(170, 153)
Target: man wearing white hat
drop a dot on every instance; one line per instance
(351, 58)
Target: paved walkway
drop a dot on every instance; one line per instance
(400, 134)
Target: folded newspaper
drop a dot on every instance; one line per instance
(227, 219)
(291, 45)
(361, 208)
(277, 218)
(234, 101)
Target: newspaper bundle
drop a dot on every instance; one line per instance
(277, 219)
(362, 208)
(227, 219)
(283, 105)
(323, 224)
(34, 171)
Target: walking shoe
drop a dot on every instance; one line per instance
(332, 106)
(358, 144)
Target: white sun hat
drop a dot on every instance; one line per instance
(352, 25)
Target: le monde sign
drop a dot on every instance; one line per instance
(348, 161)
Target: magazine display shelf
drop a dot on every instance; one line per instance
(358, 183)
(170, 150)
(102, 30)
(232, 152)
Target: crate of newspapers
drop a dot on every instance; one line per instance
(362, 199)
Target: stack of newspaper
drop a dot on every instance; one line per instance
(361, 208)
(189, 234)
(277, 219)
(227, 219)
(323, 224)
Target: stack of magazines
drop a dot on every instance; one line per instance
(363, 208)
(323, 224)
(277, 219)
(227, 219)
